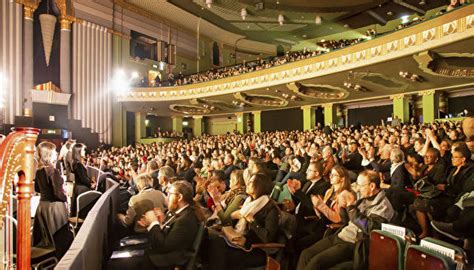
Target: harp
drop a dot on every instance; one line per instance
(17, 159)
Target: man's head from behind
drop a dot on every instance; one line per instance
(165, 174)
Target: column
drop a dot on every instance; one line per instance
(257, 121)
(28, 60)
(430, 106)
(330, 114)
(177, 124)
(119, 115)
(309, 117)
(401, 107)
(197, 127)
(242, 122)
(140, 126)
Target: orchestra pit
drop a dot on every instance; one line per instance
(237, 134)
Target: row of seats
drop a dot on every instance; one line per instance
(395, 248)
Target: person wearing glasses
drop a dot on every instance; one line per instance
(368, 213)
(310, 228)
(172, 235)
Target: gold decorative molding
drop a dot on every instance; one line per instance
(29, 3)
(399, 96)
(328, 105)
(28, 12)
(119, 34)
(427, 93)
(65, 24)
(434, 64)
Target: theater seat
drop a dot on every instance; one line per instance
(386, 251)
(419, 258)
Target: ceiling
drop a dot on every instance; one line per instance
(379, 80)
(261, 23)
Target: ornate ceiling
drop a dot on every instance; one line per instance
(300, 16)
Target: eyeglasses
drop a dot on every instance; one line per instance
(334, 175)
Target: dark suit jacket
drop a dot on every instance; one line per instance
(170, 244)
(399, 178)
(306, 208)
(382, 166)
(353, 162)
(303, 196)
(80, 175)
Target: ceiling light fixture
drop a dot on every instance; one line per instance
(411, 76)
(208, 3)
(281, 19)
(355, 87)
(318, 20)
(243, 13)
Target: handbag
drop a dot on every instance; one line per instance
(232, 236)
(426, 189)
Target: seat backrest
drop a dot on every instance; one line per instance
(455, 253)
(385, 251)
(419, 258)
(195, 247)
(86, 200)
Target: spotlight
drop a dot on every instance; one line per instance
(281, 19)
(405, 19)
(208, 3)
(318, 20)
(411, 76)
(135, 75)
(355, 87)
(243, 13)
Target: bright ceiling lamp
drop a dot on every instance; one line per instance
(243, 13)
(281, 19)
(318, 20)
(208, 3)
(120, 83)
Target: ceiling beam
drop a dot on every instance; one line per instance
(377, 17)
(409, 6)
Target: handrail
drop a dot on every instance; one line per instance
(17, 158)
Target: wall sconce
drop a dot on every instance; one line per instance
(411, 76)
(355, 87)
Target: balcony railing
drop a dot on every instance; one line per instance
(445, 29)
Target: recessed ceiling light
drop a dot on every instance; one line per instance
(389, 13)
(346, 25)
(304, 36)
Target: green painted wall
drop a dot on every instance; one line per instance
(257, 122)
(401, 108)
(197, 126)
(429, 101)
(177, 124)
(330, 116)
(140, 127)
(218, 126)
(309, 118)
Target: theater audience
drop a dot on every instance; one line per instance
(172, 235)
(366, 214)
(257, 223)
(232, 200)
(309, 230)
(51, 214)
(82, 183)
(144, 184)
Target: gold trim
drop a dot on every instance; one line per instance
(65, 24)
(28, 12)
(427, 93)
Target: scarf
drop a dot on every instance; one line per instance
(231, 194)
(250, 208)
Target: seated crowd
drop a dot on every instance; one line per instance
(320, 192)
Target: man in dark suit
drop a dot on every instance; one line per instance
(353, 160)
(172, 235)
(309, 230)
(229, 167)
